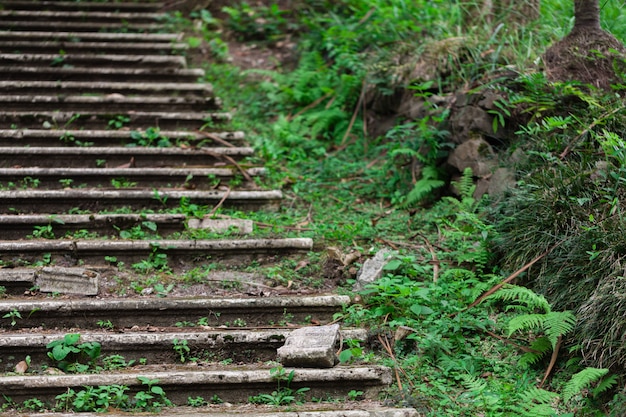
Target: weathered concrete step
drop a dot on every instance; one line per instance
(178, 251)
(118, 157)
(113, 138)
(85, 313)
(95, 18)
(101, 119)
(183, 178)
(6, 35)
(20, 226)
(69, 26)
(235, 386)
(94, 60)
(335, 409)
(68, 88)
(130, 6)
(156, 346)
(78, 47)
(47, 73)
(194, 101)
(61, 201)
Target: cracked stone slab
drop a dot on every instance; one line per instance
(79, 281)
(372, 269)
(239, 226)
(310, 347)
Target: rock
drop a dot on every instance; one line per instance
(501, 180)
(467, 121)
(79, 281)
(372, 269)
(310, 347)
(476, 154)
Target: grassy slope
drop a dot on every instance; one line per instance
(344, 191)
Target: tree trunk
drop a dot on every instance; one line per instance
(586, 14)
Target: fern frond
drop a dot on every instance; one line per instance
(531, 299)
(540, 346)
(604, 385)
(422, 190)
(582, 380)
(473, 383)
(536, 410)
(526, 322)
(534, 395)
(466, 184)
(558, 323)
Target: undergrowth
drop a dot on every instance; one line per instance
(539, 351)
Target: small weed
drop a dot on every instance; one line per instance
(196, 402)
(118, 183)
(68, 353)
(106, 324)
(118, 122)
(116, 362)
(13, 315)
(283, 395)
(181, 347)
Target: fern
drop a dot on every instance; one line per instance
(535, 402)
(557, 324)
(424, 187)
(473, 383)
(604, 385)
(540, 347)
(531, 299)
(526, 322)
(582, 380)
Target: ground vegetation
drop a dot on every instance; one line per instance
(503, 295)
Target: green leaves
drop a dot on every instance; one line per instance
(69, 353)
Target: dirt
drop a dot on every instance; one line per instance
(590, 56)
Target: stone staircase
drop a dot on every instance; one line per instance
(113, 167)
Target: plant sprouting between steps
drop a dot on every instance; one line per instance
(70, 355)
(284, 394)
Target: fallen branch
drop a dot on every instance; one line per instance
(226, 194)
(553, 358)
(508, 279)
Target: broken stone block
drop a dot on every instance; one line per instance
(310, 347)
(240, 226)
(18, 276)
(372, 269)
(79, 281)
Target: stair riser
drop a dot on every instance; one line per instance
(82, 6)
(174, 104)
(94, 60)
(180, 181)
(47, 74)
(101, 121)
(48, 47)
(232, 387)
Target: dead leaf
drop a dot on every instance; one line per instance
(21, 367)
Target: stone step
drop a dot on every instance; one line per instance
(115, 138)
(85, 313)
(7, 35)
(101, 119)
(95, 18)
(68, 89)
(178, 251)
(94, 60)
(74, 26)
(155, 344)
(116, 102)
(99, 75)
(230, 385)
(120, 157)
(125, 6)
(183, 178)
(78, 47)
(341, 408)
(109, 225)
(93, 200)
